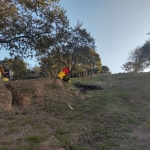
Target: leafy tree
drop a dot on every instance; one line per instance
(128, 66)
(136, 63)
(5, 64)
(28, 25)
(17, 65)
(105, 69)
(145, 54)
(67, 48)
(49, 67)
(88, 61)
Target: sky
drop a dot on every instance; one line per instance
(118, 27)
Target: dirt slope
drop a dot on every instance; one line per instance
(37, 92)
(29, 98)
(5, 97)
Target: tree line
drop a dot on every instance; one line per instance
(139, 59)
(41, 29)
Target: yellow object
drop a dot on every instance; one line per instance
(61, 74)
(69, 81)
(5, 79)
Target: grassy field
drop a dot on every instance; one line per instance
(115, 118)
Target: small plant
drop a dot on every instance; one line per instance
(63, 141)
(10, 118)
(2, 124)
(27, 120)
(4, 148)
(13, 129)
(24, 113)
(60, 131)
(16, 113)
(34, 138)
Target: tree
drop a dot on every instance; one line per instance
(67, 48)
(105, 69)
(135, 63)
(30, 25)
(88, 61)
(145, 54)
(17, 65)
(49, 67)
(128, 67)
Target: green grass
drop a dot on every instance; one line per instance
(115, 118)
(34, 138)
(4, 148)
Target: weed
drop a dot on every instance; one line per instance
(133, 120)
(103, 146)
(13, 129)
(2, 124)
(84, 148)
(10, 118)
(63, 141)
(27, 120)
(35, 138)
(4, 148)
(128, 129)
(52, 123)
(60, 131)
(24, 113)
(17, 113)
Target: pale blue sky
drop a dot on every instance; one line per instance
(118, 26)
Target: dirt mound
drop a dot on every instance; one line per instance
(5, 97)
(39, 92)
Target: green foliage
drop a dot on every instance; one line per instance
(60, 131)
(105, 70)
(75, 47)
(41, 29)
(135, 63)
(17, 65)
(139, 59)
(30, 25)
(88, 60)
(34, 138)
(4, 148)
(145, 53)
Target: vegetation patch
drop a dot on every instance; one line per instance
(34, 138)
(116, 117)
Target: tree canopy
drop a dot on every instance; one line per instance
(40, 28)
(139, 59)
(28, 25)
(16, 64)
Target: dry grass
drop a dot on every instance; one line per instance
(116, 118)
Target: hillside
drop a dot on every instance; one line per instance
(115, 118)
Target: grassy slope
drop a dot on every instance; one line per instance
(116, 118)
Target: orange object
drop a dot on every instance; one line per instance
(1, 70)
